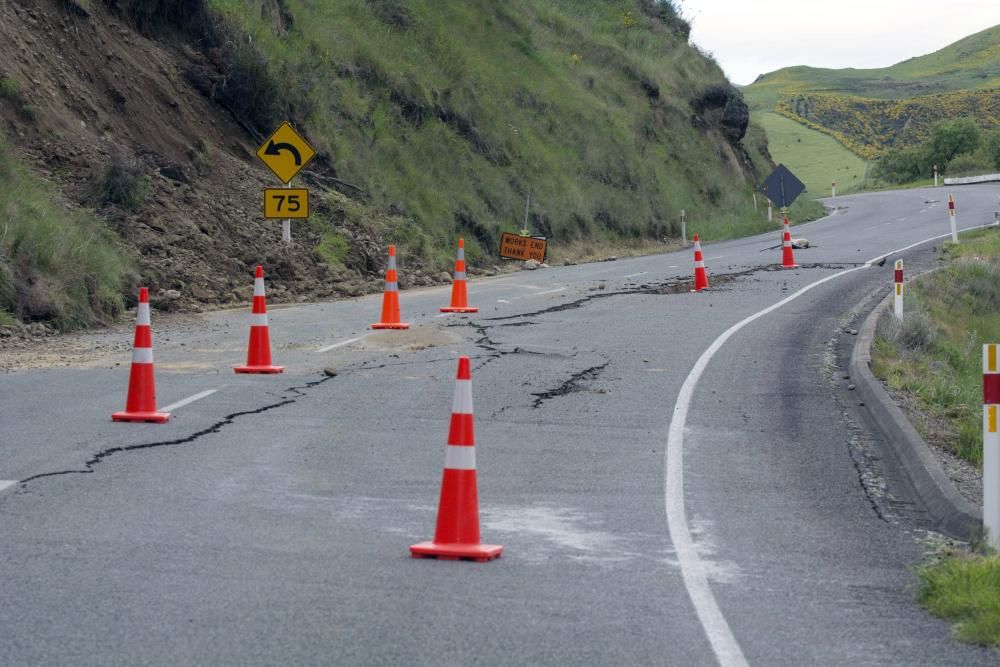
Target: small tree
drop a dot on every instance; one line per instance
(991, 143)
(953, 137)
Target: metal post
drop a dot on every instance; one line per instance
(991, 446)
(770, 214)
(951, 216)
(833, 190)
(286, 225)
(527, 206)
(684, 230)
(898, 280)
(755, 209)
(935, 176)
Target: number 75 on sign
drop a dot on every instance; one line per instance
(286, 203)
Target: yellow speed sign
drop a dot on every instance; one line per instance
(286, 203)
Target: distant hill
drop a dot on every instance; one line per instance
(970, 63)
(870, 110)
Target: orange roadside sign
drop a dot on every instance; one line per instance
(515, 246)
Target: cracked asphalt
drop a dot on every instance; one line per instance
(268, 523)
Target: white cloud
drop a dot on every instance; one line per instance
(752, 37)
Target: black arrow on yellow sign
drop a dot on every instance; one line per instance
(275, 149)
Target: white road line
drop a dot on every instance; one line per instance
(693, 571)
(336, 345)
(443, 315)
(672, 266)
(188, 401)
(7, 483)
(502, 301)
(551, 291)
(633, 275)
(715, 257)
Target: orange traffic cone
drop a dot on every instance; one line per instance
(390, 299)
(787, 256)
(700, 275)
(457, 533)
(459, 297)
(140, 404)
(259, 349)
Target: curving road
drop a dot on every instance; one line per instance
(679, 479)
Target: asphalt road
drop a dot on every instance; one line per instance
(664, 496)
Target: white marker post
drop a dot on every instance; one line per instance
(286, 224)
(935, 176)
(898, 279)
(991, 446)
(684, 229)
(833, 189)
(770, 215)
(951, 216)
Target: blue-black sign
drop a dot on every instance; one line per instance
(781, 187)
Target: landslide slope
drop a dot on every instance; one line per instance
(433, 119)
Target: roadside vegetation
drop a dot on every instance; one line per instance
(958, 148)
(934, 359)
(56, 264)
(963, 586)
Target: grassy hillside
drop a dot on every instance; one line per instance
(816, 158)
(867, 111)
(452, 113)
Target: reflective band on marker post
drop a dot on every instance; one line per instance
(991, 446)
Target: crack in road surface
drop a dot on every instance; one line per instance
(667, 287)
(296, 392)
(570, 386)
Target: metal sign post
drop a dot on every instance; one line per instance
(286, 153)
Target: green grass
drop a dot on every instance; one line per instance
(55, 265)
(965, 588)
(453, 112)
(817, 159)
(935, 357)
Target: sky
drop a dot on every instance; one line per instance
(752, 37)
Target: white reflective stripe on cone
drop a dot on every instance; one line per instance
(461, 254)
(142, 314)
(392, 287)
(460, 275)
(458, 457)
(142, 355)
(392, 262)
(699, 265)
(258, 287)
(258, 319)
(462, 405)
